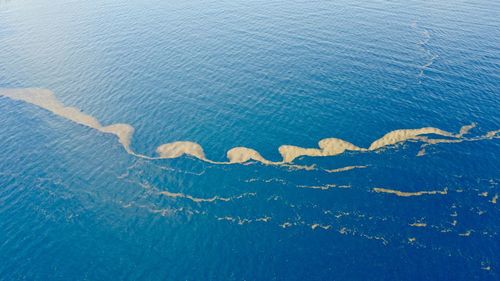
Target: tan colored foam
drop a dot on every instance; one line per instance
(465, 234)
(290, 152)
(194, 199)
(402, 135)
(347, 168)
(243, 154)
(326, 147)
(492, 134)
(421, 152)
(124, 133)
(47, 100)
(148, 186)
(466, 129)
(180, 148)
(494, 199)
(409, 194)
(316, 225)
(418, 224)
(323, 187)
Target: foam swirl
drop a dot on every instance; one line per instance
(46, 99)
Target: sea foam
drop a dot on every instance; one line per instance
(326, 147)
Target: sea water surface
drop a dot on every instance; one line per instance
(76, 204)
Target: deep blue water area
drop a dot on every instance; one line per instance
(260, 74)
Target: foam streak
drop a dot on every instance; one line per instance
(326, 147)
(410, 194)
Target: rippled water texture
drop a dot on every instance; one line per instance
(249, 140)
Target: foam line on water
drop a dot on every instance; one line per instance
(410, 194)
(347, 168)
(324, 187)
(177, 195)
(326, 147)
(422, 44)
(201, 200)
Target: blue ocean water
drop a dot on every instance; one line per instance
(260, 74)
